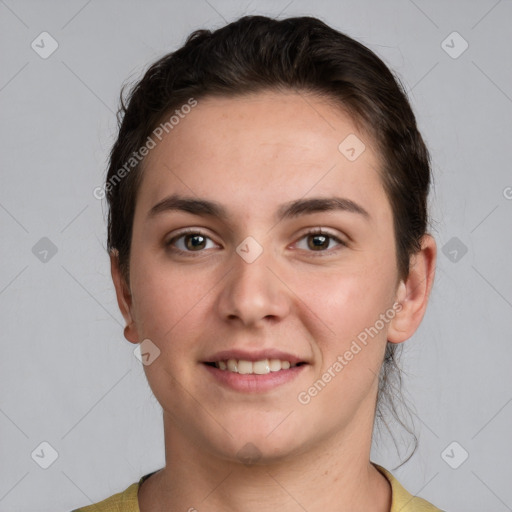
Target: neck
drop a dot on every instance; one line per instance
(336, 475)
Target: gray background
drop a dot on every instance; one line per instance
(68, 376)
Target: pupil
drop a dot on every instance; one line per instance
(194, 245)
(323, 239)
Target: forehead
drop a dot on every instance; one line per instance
(269, 146)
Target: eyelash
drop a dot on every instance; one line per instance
(314, 231)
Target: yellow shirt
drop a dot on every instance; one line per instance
(126, 501)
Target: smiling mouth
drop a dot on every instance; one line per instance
(261, 367)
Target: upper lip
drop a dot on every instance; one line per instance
(257, 355)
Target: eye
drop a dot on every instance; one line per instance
(318, 240)
(193, 240)
(190, 240)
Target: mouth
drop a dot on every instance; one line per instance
(259, 367)
(253, 372)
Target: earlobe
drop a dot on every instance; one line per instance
(130, 333)
(413, 292)
(124, 297)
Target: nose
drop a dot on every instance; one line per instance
(253, 293)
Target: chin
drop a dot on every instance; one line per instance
(253, 446)
(256, 453)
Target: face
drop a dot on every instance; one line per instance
(264, 276)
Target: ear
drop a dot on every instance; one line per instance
(124, 298)
(413, 293)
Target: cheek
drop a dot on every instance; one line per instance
(168, 312)
(352, 350)
(163, 300)
(352, 297)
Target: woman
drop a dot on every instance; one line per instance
(268, 244)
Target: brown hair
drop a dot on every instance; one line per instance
(303, 54)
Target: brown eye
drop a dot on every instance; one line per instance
(189, 241)
(320, 241)
(193, 242)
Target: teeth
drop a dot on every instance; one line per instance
(275, 365)
(233, 365)
(261, 367)
(244, 367)
(254, 367)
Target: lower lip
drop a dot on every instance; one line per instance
(254, 383)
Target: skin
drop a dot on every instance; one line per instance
(252, 154)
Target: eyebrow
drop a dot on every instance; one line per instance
(292, 209)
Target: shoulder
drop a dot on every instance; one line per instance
(125, 501)
(402, 500)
